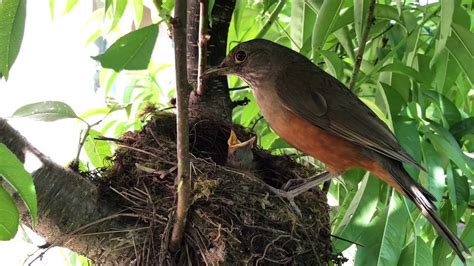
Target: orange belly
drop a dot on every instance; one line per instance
(337, 153)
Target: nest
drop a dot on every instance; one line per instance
(234, 218)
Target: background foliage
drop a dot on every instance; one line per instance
(417, 74)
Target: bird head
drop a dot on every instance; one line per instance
(249, 60)
(240, 154)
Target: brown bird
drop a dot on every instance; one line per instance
(321, 117)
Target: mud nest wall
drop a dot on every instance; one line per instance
(234, 217)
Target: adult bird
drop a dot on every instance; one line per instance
(321, 117)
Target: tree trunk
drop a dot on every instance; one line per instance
(215, 103)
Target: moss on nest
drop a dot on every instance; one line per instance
(234, 218)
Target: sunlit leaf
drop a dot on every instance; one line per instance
(12, 171)
(417, 253)
(132, 51)
(358, 214)
(383, 241)
(9, 216)
(447, 11)
(119, 9)
(12, 26)
(138, 10)
(46, 111)
(70, 5)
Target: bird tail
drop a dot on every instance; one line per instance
(423, 199)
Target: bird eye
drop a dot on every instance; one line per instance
(240, 57)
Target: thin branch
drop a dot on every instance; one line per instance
(202, 47)
(182, 138)
(239, 88)
(362, 43)
(272, 19)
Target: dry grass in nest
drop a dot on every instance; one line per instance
(234, 218)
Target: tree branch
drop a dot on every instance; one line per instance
(182, 141)
(272, 18)
(363, 42)
(203, 40)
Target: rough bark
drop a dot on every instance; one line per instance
(72, 211)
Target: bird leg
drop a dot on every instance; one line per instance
(307, 185)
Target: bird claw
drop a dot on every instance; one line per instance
(307, 185)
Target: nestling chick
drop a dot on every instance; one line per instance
(239, 154)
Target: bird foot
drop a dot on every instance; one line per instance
(293, 193)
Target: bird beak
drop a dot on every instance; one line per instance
(219, 70)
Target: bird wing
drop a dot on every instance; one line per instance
(326, 103)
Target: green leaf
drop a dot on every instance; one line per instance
(447, 11)
(384, 238)
(466, 37)
(12, 26)
(446, 144)
(394, 99)
(405, 70)
(406, 131)
(441, 248)
(325, 21)
(458, 188)
(9, 216)
(301, 23)
(434, 168)
(388, 13)
(447, 108)
(97, 150)
(120, 6)
(461, 54)
(21, 181)
(47, 111)
(463, 128)
(131, 51)
(417, 253)
(468, 234)
(358, 214)
(334, 63)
